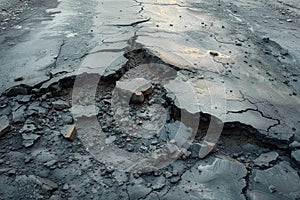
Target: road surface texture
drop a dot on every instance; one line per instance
(140, 99)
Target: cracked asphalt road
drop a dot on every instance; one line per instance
(241, 58)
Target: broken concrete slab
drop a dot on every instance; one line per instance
(31, 60)
(4, 125)
(183, 95)
(282, 176)
(137, 98)
(68, 132)
(239, 74)
(18, 116)
(115, 67)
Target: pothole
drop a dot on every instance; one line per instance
(42, 118)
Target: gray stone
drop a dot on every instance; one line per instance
(18, 115)
(30, 136)
(195, 149)
(296, 156)
(50, 163)
(4, 125)
(29, 139)
(265, 159)
(28, 143)
(27, 128)
(294, 145)
(24, 98)
(137, 98)
(272, 188)
(4, 170)
(175, 179)
(60, 104)
(135, 89)
(135, 85)
(168, 174)
(68, 119)
(12, 172)
(284, 52)
(35, 107)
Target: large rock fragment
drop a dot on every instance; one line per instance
(69, 132)
(29, 139)
(265, 159)
(135, 89)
